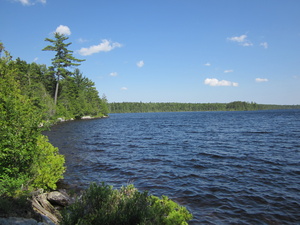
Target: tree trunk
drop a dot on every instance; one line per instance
(56, 90)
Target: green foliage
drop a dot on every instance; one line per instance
(62, 60)
(48, 168)
(18, 130)
(12, 185)
(25, 155)
(79, 97)
(107, 206)
(15, 206)
(165, 211)
(27, 159)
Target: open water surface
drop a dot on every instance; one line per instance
(225, 167)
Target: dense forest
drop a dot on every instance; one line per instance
(76, 94)
(139, 107)
(31, 96)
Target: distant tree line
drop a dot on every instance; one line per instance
(140, 107)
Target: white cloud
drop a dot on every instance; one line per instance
(35, 59)
(124, 88)
(140, 63)
(207, 64)
(228, 71)
(28, 2)
(264, 44)
(104, 46)
(65, 30)
(215, 82)
(259, 80)
(113, 74)
(242, 40)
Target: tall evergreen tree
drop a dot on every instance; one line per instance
(63, 58)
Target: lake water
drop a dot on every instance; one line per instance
(225, 167)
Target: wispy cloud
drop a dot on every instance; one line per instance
(259, 80)
(215, 82)
(207, 64)
(81, 40)
(124, 88)
(29, 2)
(104, 46)
(62, 29)
(140, 64)
(113, 74)
(228, 71)
(35, 59)
(246, 44)
(264, 44)
(241, 40)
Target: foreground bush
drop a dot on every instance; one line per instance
(27, 159)
(101, 204)
(49, 165)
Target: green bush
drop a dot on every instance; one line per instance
(101, 204)
(48, 167)
(27, 159)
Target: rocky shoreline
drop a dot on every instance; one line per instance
(44, 208)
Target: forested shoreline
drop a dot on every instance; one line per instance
(140, 107)
(33, 96)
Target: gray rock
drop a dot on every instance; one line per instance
(24, 221)
(17, 220)
(58, 198)
(86, 118)
(46, 221)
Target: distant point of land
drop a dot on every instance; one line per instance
(140, 107)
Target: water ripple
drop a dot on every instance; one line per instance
(225, 167)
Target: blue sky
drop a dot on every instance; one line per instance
(194, 51)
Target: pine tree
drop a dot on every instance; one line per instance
(63, 58)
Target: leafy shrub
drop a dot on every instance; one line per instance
(48, 168)
(26, 158)
(101, 204)
(165, 211)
